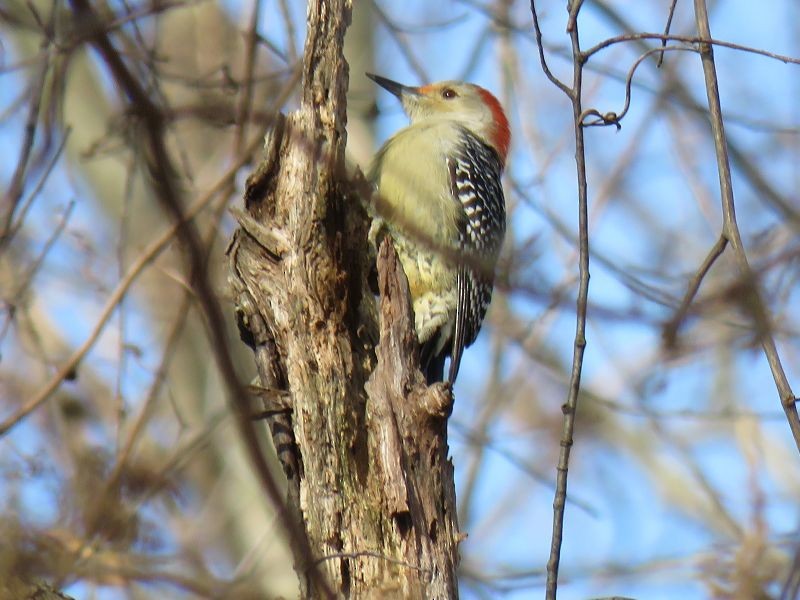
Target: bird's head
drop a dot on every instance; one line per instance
(466, 103)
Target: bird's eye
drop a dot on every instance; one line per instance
(448, 93)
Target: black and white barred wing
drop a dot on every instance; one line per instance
(475, 174)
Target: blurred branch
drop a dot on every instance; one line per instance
(33, 269)
(17, 186)
(406, 49)
(791, 586)
(482, 440)
(671, 328)
(289, 28)
(147, 255)
(245, 107)
(163, 173)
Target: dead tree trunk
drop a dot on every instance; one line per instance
(361, 437)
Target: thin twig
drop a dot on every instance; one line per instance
(731, 228)
(17, 186)
(288, 24)
(31, 272)
(22, 212)
(572, 21)
(670, 333)
(170, 344)
(570, 407)
(485, 441)
(613, 118)
(542, 60)
(248, 78)
(405, 48)
(766, 191)
(666, 30)
(630, 37)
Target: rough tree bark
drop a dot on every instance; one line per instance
(361, 438)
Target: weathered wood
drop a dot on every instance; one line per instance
(407, 425)
(364, 445)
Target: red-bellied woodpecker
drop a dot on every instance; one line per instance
(441, 199)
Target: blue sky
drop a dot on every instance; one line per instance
(655, 229)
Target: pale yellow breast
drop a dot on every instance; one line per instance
(413, 180)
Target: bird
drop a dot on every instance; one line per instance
(440, 197)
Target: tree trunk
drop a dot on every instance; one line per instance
(361, 437)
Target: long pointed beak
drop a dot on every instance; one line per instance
(398, 89)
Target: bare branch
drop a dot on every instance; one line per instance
(731, 227)
(630, 37)
(667, 27)
(613, 118)
(542, 60)
(147, 255)
(570, 407)
(16, 188)
(670, 332)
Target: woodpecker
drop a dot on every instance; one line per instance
(441, 199)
